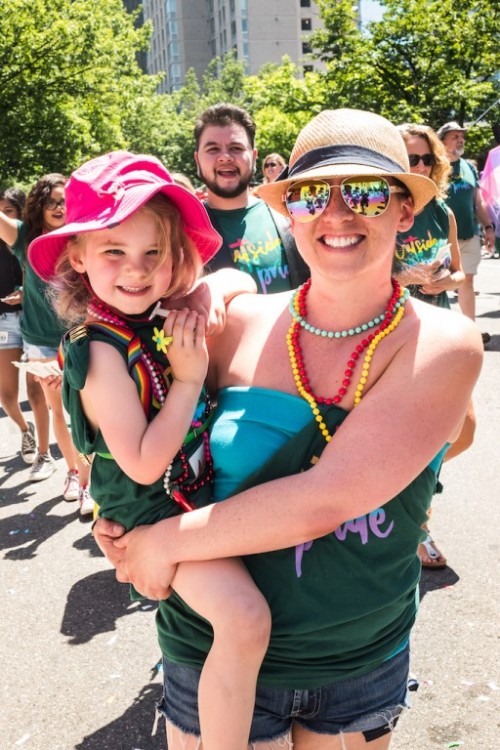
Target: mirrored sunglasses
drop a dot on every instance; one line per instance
(428, 159)
(306, 200)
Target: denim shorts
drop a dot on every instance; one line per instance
(35, 351)
(10, 330)
(370, 703)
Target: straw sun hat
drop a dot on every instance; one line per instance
(348, 142)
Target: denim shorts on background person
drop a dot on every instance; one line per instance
(365, 703)
(10, 330)
(35, 351)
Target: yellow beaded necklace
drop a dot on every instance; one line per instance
(370, 344)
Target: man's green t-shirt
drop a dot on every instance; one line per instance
(252, 243)
(461, 193)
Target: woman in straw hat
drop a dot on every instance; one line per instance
(354, 389)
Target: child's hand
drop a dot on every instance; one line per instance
(187, 353)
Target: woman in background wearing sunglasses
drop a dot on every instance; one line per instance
(416, 265)
(272, 165)
(335, 404)
(428, 279)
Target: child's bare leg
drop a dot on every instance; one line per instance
(223, 592)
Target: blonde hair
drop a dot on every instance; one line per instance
(71, 293)
(441, 170)
(275, 157)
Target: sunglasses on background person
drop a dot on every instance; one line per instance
(307, 199)
(270, 164)
(427, 159)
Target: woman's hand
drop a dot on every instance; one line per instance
(105, 533)
(139, 563)
(52, 382)
(15, 298)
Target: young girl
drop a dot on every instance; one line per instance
(133, 385)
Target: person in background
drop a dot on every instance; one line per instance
(465, 200)
(44, 211)
(490, 189)
(335, 404)
(256, 239)
(272, 165)
(434, 228)
(11, 344)
(428, 279)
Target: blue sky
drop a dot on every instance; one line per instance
(370, 11)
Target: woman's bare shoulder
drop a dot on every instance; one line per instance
(449, 329)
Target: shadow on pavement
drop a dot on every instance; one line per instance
(25, 532)
(95, 603)
(133, 728)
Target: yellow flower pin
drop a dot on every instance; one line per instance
(162, 342)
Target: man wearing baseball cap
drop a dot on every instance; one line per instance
(465, 200)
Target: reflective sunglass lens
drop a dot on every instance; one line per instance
(366, 197)
(305, 201)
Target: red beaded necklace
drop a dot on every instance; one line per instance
(395, 305)
(391, 318)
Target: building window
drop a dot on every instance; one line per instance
(305, 3)
(306, 48)
(305, 24)
(308, 68)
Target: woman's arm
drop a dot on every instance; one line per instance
(111, 402)
(8, 229)
(212, 294)
(456, 277)
(383, 444)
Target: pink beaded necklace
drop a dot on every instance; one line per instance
(148, 375)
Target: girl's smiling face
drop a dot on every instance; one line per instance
(124, 264)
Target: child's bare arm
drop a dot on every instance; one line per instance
(111, 401)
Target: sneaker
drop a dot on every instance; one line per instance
(71, 489)
(43, 467)
(86, 501)
(28, 445)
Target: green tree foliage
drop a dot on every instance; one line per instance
(426, 61)
(70, 86)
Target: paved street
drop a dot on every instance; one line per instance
(78, 660)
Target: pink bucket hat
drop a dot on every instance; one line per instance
(105, 191)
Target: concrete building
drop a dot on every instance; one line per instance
(190, 33)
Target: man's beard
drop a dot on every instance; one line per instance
(221, 192)
(457, 152)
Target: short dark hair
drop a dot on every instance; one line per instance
(222, 115)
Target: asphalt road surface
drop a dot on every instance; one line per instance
(79, 661)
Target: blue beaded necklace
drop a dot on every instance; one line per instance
(337, 334)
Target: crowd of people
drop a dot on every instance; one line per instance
(212, 347)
